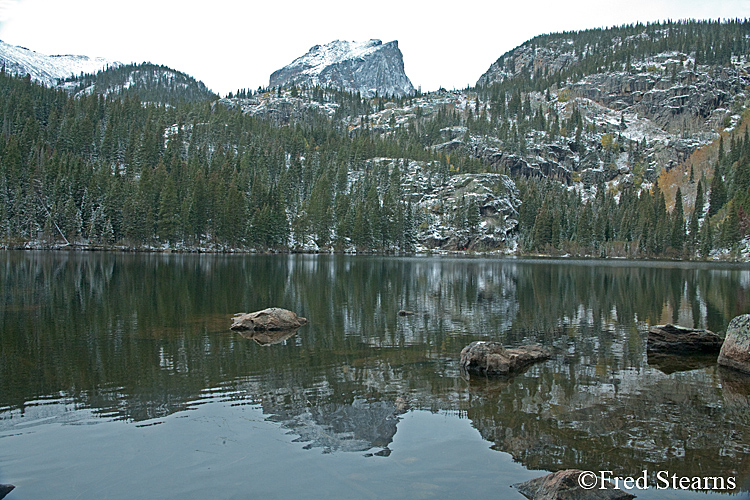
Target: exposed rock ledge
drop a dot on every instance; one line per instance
(492, 359)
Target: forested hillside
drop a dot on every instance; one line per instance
(149, 82)
(630, 141)
(108, 171)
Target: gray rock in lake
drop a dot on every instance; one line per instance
(492, 359)
(674, 339)
(735, 353)
(273, 318)
(566, 485)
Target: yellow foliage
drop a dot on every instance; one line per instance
(702, 162)
(669, 181)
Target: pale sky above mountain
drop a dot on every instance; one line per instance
(231, 44)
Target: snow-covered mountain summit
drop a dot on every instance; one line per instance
(365, 67)
(48, 69)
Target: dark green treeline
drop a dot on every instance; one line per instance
(102, 171)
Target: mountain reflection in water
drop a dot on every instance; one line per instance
(141, 337)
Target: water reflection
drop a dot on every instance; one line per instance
(269, 337)
(139, 337)
(670, 363)
(628, 421)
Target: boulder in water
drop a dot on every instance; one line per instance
(273, 318)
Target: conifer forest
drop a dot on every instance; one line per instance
(172, 166)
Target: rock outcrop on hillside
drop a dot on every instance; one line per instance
(469, 212)
(648, 90)
(459, 212)
(688, 102)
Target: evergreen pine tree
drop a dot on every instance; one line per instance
(678, 223)
(699, 201)
(718, 195)
(730, 228)
(168, 221)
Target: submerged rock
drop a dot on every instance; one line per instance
(735, 353)
(676, 339)
(567, 485)
(5, 489)
(491, 358)
(273, 318)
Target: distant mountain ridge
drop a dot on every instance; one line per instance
(48, 69)
(366, 67)
(83, 74)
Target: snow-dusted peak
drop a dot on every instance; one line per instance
(366, 67)
(48, 69)
(320, 56)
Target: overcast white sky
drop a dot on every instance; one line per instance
(231, 44)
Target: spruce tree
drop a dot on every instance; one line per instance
(168, 221)
(678, 223)
(718, 194)
(730, 228)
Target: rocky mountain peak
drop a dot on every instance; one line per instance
(48, 69)
(366, 67)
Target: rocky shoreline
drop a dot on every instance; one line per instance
(718, 257)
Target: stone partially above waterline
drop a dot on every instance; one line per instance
(571, 484)
(493, 359)
(273, 318)
(5, 489)
(735, 353)
(675, 339)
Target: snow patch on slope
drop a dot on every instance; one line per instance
(321, 56)
(48, 69)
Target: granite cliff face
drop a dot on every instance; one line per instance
(637, 85)
(366, 67)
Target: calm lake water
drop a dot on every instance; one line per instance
(119, 377)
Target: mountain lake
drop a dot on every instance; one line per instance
(120, 378)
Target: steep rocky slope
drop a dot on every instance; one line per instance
(366, 67)
(670, 88)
